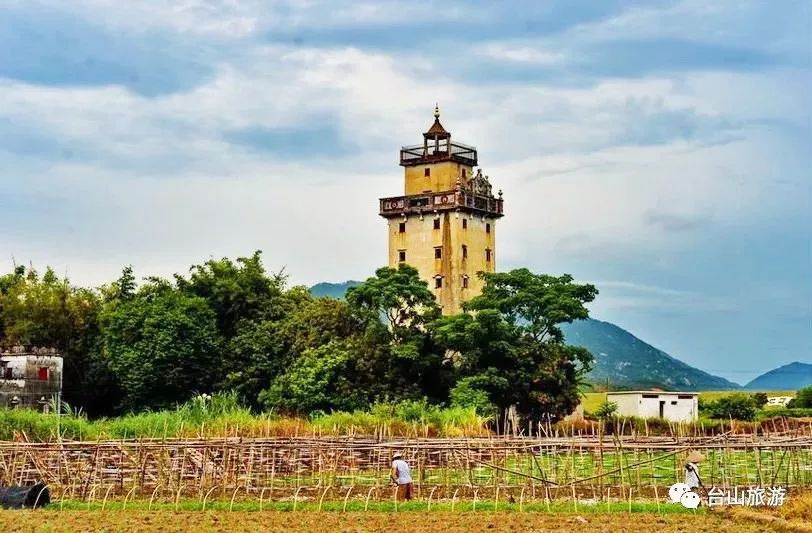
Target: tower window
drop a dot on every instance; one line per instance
(436, 223)
(464, 223)
(42, 375)
(402, 227)
(487, 228)
(438, 252)
(463, 173)
(427, 172)
(465, 282)
(464, 251)
(438, 282)
(401, 255)
(488, 255)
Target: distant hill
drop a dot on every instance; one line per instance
(629, 363)
(788, 377)
(625, 360)
(332, 290)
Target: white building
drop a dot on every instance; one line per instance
(673, 406)
(778, 401)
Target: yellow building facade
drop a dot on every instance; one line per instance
(444, 225)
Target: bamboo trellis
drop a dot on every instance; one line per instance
(311, 467)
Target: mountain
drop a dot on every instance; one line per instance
(332, 290)
(788, 377)
(629, 363)
(623, 359)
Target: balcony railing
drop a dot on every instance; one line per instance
(441, 201)
(418, 154)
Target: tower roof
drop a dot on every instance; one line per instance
(437, 131)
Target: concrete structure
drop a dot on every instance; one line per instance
(673, 406)
(30, 377)
(445, 223)
(778, 401)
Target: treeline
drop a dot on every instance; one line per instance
(231, 326)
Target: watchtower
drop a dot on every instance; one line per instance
(445, 223)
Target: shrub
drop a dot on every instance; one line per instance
(760, 398)
(803, 398)
(606, 410)
(735, 406)
(467, 394)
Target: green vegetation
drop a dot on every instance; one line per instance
(355, 505)
(803, 399)
(220, 415)
(735, 406)
(606, 410)
(229, 326)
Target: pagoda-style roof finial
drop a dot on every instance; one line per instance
(437, 131)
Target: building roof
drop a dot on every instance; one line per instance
(437, 130)
(652, 392)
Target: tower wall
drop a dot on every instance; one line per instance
(420, 239)
(443, 177)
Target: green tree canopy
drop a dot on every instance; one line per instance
(397, 294)
(508, 342)
(163, 346)
(235, 291)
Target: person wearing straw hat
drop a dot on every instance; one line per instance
(402, 476)
(692, 478)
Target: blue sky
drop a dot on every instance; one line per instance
(661, 150)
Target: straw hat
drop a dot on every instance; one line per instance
(694, 457)
(397, 454)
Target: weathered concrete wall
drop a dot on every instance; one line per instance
(29, 380)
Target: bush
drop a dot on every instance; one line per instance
(467, 394)
(760, 398)
(606, 410)
(803, 398)
(735, 406)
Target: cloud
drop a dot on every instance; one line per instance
(56, 47)
(162, 133)
(673, 222)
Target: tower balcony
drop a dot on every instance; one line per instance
(421, 154)
(465, 201)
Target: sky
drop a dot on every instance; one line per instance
(660, 150)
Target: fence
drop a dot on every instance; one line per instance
(280, 468)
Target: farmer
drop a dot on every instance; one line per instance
(402, 476)
(692, 478)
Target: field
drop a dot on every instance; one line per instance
(335, 515)
(153, 521)
(71, 516)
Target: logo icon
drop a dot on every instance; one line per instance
(682, 493)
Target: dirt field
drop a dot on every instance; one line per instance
(146, 521)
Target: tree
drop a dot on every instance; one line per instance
(534, 303)
(163, 345)
(761, 399)
(735, 406)
(49, 311)
(397, 294)
(265, 349)
(235, 291)
(512, 344)
(395, 310)
(321, 379)
(803, 398)
(606, 410)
